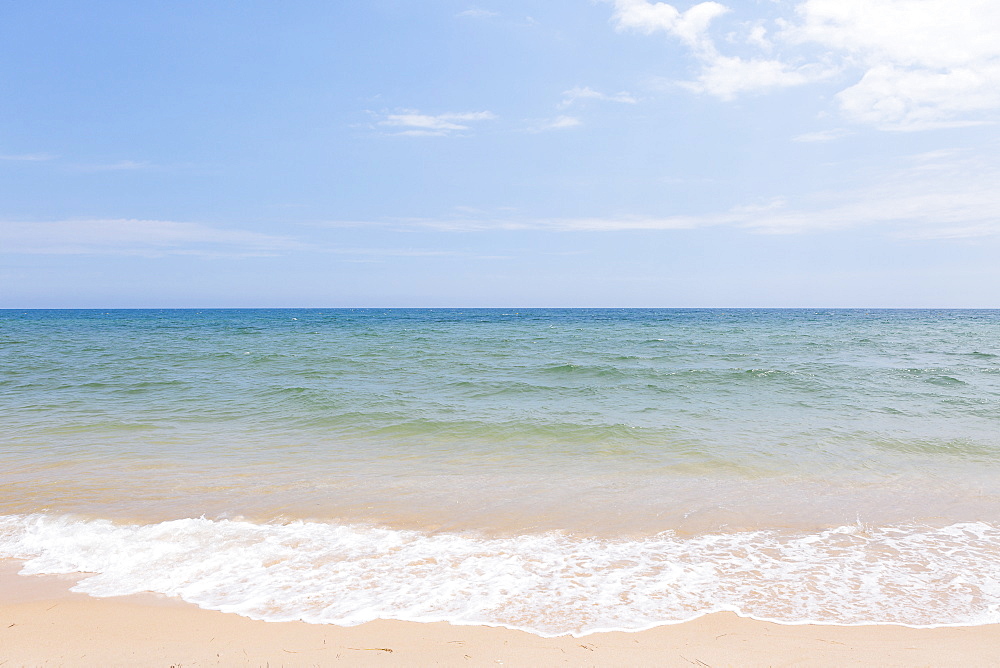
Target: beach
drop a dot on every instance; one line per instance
(42, 623)
(627, 486)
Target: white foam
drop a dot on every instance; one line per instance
(549, 584)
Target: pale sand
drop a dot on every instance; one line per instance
(42, 624)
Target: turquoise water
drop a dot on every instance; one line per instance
(554, 470)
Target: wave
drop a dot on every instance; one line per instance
(549, 584)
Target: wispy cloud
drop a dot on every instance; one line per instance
(557, 123)
(413, 123)
(922, 63)
(578, 93)
(486, 223)
(137, 237)
(393, 252)
(939, 195)
(377, 254)
(822, 136)
(478, 13)
(121, 165)
(28, 157)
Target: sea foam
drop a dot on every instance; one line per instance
(549, 584)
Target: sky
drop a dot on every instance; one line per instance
(448, 153)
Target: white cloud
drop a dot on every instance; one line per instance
(414, 123)
(578, 93)
(919, 63)
(136, 237)
(728, 76)
(649, 17)
(925, 63)
(757, 36)
(897, 98)
(722, 76)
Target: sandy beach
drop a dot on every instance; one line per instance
(593, 472)
(43, 623)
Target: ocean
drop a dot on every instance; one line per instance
(553, 470)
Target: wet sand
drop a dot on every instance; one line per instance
(42, 623)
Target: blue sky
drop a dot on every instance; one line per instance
(449, 153)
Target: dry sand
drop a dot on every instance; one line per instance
(42, 624)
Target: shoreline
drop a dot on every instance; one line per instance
(42, 622)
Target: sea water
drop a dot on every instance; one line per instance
(559, 471)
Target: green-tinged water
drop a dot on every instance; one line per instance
(509, 425)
